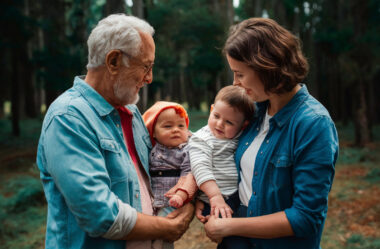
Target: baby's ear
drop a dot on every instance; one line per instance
(212, 107)
(245, 124)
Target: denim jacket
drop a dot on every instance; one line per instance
(85, 168)
(294, 169)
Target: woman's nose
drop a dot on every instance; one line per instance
(236, 83)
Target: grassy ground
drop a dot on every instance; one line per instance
(354, 203)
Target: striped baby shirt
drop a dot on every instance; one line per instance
(212, 158)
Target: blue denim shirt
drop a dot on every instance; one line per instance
(294, 169)
(85, 168)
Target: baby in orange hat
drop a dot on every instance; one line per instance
(169, 165)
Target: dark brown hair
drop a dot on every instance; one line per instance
(236, 97)
(270, 50)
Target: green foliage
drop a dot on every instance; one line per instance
(188, 35)
(198, 119)
(29, 192)
(373, 176)
(357, 241)
(352, 155)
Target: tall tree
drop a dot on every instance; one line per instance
(139, 10)
(114, 6)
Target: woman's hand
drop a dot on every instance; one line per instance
(214, 228)
(199, 206)
(219, 206)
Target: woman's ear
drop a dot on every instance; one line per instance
(245, 124)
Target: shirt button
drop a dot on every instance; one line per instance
(117, 125)
(254, 193)
(267, 141)
(257, 128)
(250, 212)
(137, 195)
(246, 143)
(255, 173)
(261, 152)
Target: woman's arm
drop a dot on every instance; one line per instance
(264, 227)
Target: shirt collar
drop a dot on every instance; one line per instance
(101, 106)
(163, 147)
(282, 117)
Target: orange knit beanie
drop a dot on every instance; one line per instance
(151, 115)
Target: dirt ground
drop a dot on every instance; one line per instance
(195, 238)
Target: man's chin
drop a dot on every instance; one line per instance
(136, 100)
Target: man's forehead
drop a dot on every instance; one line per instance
(147, 46)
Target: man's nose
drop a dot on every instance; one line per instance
(148, 78)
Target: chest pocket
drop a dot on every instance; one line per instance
(281, 169)
(113, 159)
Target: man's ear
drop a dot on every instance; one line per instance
(113, 61)
(245, 124)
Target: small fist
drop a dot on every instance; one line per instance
(176, 201)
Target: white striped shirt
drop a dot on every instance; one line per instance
(212, 158)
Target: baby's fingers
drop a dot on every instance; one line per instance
(223, 212)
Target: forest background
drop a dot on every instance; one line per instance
(43, 46)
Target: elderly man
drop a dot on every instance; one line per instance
(93, 149)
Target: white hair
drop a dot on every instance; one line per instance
(117, 31)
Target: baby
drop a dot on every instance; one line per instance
(169, 166)
(212, 151)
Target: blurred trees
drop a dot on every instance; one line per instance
(44, 47)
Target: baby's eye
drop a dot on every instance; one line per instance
(216, 115)
(167, 126)
(181, 125)
(229, 122)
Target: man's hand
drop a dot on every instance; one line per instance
(169, 228)
(179, 221)
(219, 206)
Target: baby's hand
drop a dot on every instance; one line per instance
(199, 206)
(176, 201)
(219, 206)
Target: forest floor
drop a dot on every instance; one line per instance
(353, 219)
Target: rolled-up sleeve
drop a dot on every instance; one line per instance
(315, 156)
(75, 161)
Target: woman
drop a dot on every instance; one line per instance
(286, 156)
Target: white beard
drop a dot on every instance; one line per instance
(125, 94)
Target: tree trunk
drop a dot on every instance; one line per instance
(15, 98)
(138, 11)
(114, 6)
(29, 79)
(362, 133)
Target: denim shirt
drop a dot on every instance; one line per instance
(85, 168)
(294, 169)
